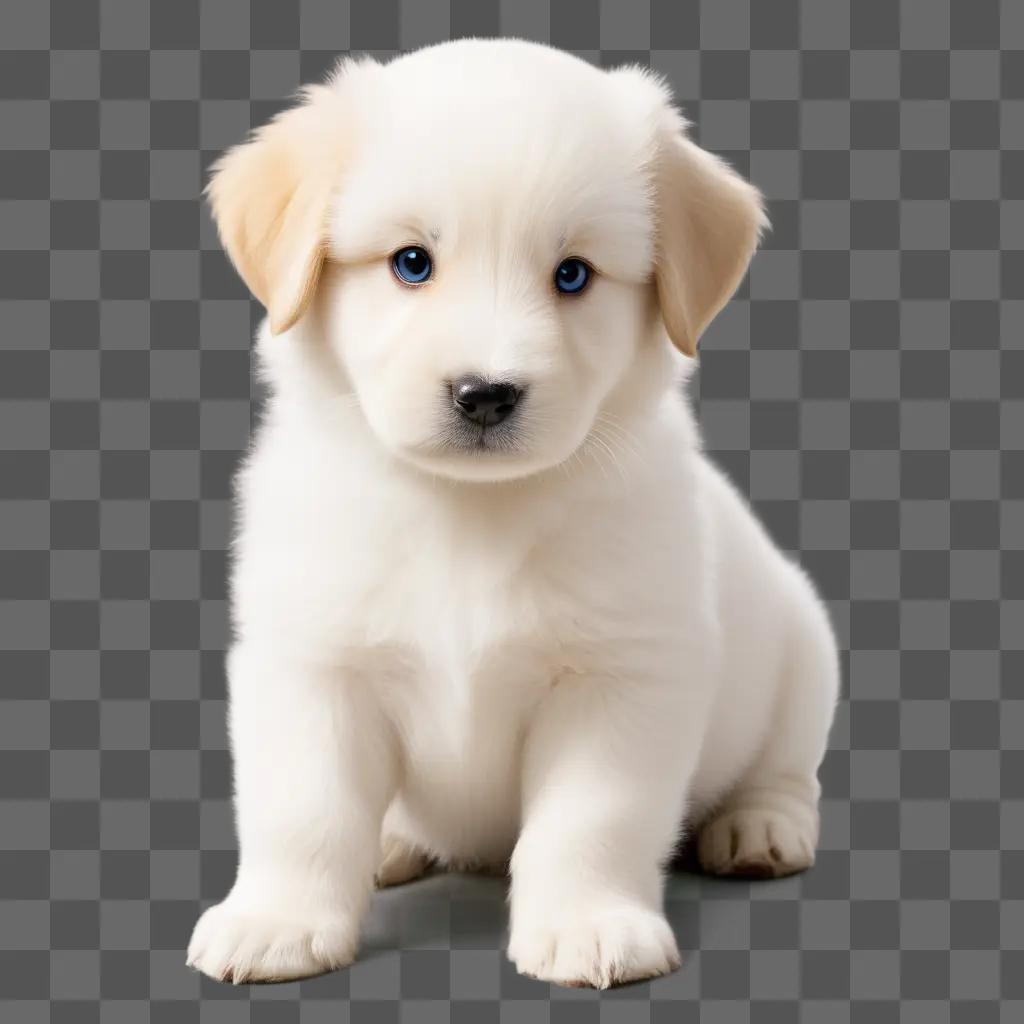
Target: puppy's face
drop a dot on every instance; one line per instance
(493, 236)
(493, 247)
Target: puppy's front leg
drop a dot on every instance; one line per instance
(315, 767)
(606, 766)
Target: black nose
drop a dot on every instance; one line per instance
(484, 402)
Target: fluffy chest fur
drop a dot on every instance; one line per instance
(360, 561)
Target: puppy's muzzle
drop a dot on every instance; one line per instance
(484, 402)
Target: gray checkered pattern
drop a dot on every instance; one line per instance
(866, 388)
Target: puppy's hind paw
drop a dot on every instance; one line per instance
(400, 862)
(753, 842)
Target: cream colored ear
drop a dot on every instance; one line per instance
(709, 223)
(271, 197)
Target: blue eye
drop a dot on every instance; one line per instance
(572, 276)
(412, 264)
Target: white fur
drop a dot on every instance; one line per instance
(553, 655)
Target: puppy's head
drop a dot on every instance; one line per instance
(494, 234)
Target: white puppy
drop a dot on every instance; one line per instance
(492, 606)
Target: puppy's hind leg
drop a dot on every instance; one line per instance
(767, 826)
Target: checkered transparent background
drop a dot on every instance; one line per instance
(866, 388)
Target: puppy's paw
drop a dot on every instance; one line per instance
(598, 948)
(236, 943)
(756, 842)
(400, 862)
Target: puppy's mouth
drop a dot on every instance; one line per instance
(471, 438)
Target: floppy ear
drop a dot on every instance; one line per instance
(271, 196)
(709, 220)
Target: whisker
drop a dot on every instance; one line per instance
(613, 454)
